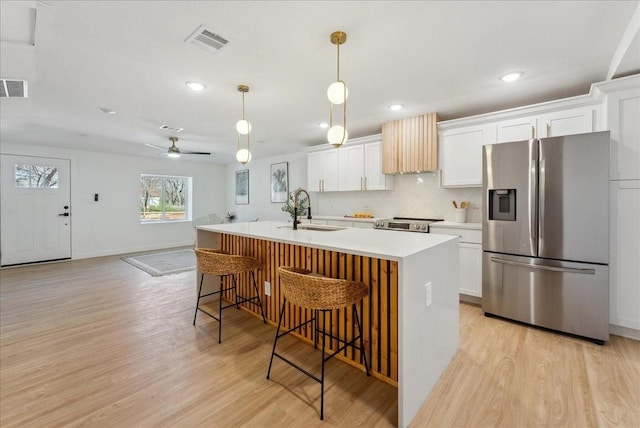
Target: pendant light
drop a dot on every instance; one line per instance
(244, 128)
(337, 94)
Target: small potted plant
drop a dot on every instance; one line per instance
(230, 217)
(303, 202)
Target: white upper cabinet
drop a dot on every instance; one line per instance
(623, 120)
(566, 122)
(461, 155)
(461, 140)
(354, 167)
(516, 129)
(374, 179)
(550, 124)
(322, 171)
(351, 164)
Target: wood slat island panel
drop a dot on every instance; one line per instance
(409, 339)
(379, 311)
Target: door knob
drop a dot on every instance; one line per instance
(63, 215)
(66, 207)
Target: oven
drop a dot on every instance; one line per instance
(405, 224)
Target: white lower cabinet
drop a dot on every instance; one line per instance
(624, 264)
(470, 269)
(343, 222)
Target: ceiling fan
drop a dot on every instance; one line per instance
(174, 152)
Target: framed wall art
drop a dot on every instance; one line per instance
(279, 182)
(242, 187)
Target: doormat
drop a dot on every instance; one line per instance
(165, 263)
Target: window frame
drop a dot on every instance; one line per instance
(188, 196)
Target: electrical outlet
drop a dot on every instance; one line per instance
(267, 288)
(427, 289)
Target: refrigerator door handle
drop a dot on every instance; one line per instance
(543, 267)
(541, 204)
(533, 190)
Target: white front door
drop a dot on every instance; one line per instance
(35, 220)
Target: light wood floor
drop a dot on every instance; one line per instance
(100, 343)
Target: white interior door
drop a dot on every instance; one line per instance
(35, 220)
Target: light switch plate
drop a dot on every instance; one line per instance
(427, 293)
(267, 288)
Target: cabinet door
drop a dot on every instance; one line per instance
(363, 224)
(351, 166)
(470, 254)
(322, 171)
(374, 178)
(314, 172)
(516, 129)
(623, 111)
(461, 156)
(330, 171)
(470, 269)
(566, 122)
(624, 269)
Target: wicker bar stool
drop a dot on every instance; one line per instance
(216, 262)
(319, 293)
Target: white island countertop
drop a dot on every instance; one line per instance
(386, 244)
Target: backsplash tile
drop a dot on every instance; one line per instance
(413, 195)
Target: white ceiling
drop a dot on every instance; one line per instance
(442, 56)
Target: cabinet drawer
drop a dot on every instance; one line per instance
(466, 235)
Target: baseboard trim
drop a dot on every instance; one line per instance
(627, 332)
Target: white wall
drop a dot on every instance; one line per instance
(112, 225)
(260, 204)
(413, 195)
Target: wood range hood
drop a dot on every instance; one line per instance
(410, 145)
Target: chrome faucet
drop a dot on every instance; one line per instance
(295, 207)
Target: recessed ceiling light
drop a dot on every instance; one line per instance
(323, 125)
(396, 107)
(106, 110)
(511, 77)
(196, 86)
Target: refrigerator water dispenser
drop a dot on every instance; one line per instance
(502, 204)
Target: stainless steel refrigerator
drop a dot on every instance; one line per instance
(546, 233)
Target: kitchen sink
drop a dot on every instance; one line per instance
(318, 227)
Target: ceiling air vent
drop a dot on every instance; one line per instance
(206, 39)
(171, 128)
(13, 88)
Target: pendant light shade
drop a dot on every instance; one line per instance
(337, 135)
(243, 155)
(337, 94)
(243, 127)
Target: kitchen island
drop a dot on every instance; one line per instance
(410, 318)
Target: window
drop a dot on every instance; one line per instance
(164, 198)
(36, 176)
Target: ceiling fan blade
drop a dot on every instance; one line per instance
(185, 152)
(164, 149)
